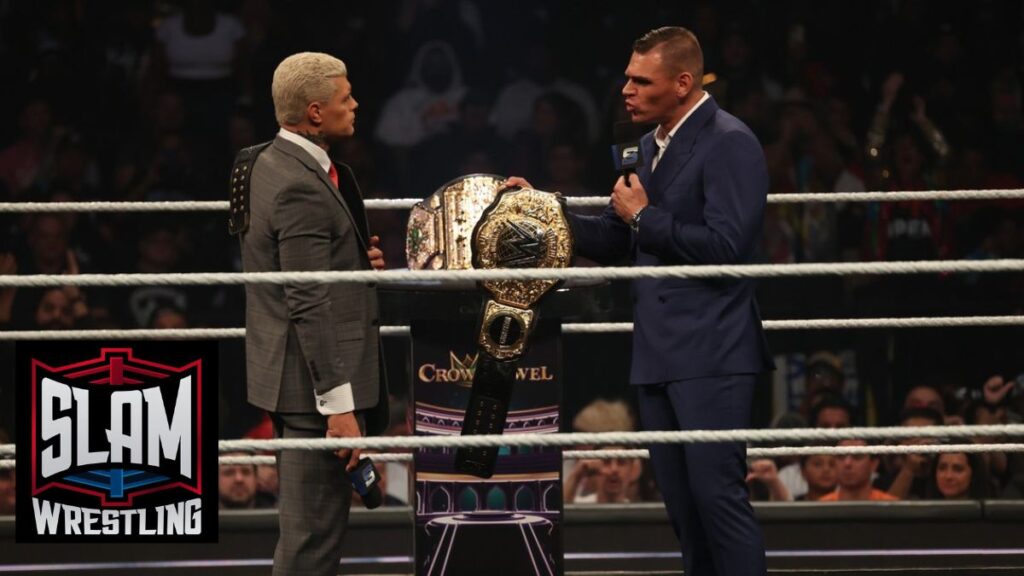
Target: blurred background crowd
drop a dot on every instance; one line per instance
(149, 100)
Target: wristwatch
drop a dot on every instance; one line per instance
(634, 222)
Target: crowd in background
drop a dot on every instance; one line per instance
(149, 100)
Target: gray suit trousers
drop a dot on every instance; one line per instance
(314, 502)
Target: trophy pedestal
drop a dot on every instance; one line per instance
(465, 524)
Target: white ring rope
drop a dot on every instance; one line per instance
(567, 328)
(752, 453)
(616, 438)
(406, 203)
(595, 273)
(626, 438)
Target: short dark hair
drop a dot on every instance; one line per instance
(921, 412)
(829, 400)
(679, 49)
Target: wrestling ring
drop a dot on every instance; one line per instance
(903, 537)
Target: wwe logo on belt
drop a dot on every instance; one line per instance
(115, 448)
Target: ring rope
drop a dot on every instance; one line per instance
(616, 438)
(626, 438)
(595, 273)
(752, 453)
(406, 203)
(567, 328)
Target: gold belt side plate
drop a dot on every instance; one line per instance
(440, 228)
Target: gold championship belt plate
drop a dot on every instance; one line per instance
(523, 228)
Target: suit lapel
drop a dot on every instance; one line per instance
(680, 148)
(649, 150)
(302, 156)
(353, 197)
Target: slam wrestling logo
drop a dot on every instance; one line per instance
(117, 443)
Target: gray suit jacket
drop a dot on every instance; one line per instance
(301, 338)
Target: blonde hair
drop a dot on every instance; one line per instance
(605, 416)
(303, 78)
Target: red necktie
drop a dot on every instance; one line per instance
(333, 174)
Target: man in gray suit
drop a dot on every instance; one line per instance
(312, 350)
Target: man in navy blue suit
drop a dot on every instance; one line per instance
(697, 343)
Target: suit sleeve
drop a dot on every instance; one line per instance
(304, 226)
(604, 237)
(735, 192)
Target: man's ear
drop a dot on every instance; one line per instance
(684, 83)
(313, 113)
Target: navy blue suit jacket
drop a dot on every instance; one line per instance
(707, 199)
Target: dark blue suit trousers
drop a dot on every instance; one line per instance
(703, 484)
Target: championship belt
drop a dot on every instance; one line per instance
(522, 228)
(440, 227)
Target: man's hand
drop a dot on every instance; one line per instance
(375, 254)
(763, 470)
(996, 389)
(345, 426)
(628, 200)
(587, 468)
(516, 181)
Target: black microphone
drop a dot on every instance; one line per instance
(365, 480)
(626, 151)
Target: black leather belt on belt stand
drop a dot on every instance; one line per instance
(522, 228)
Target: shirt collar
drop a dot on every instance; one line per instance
(662, 141)
(318, 153)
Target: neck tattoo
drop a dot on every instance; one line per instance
(314, 137)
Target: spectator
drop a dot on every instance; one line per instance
(28, 159)
(201, 55)
(159, 250)
(831, 411)
(828, 410)
(582, 477)
(470, 133)
(906, 475)
(517, 99)
(788, 466)
(429, 102)
(237, 485)
(925, 396)
(615, 480)
(266, 475)
(824, 375)
(555, 119)
(959, 476)
(168, 317)
(425, 107)
(820, 473)
(564, 169)
(854, 477)
(993, 409)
